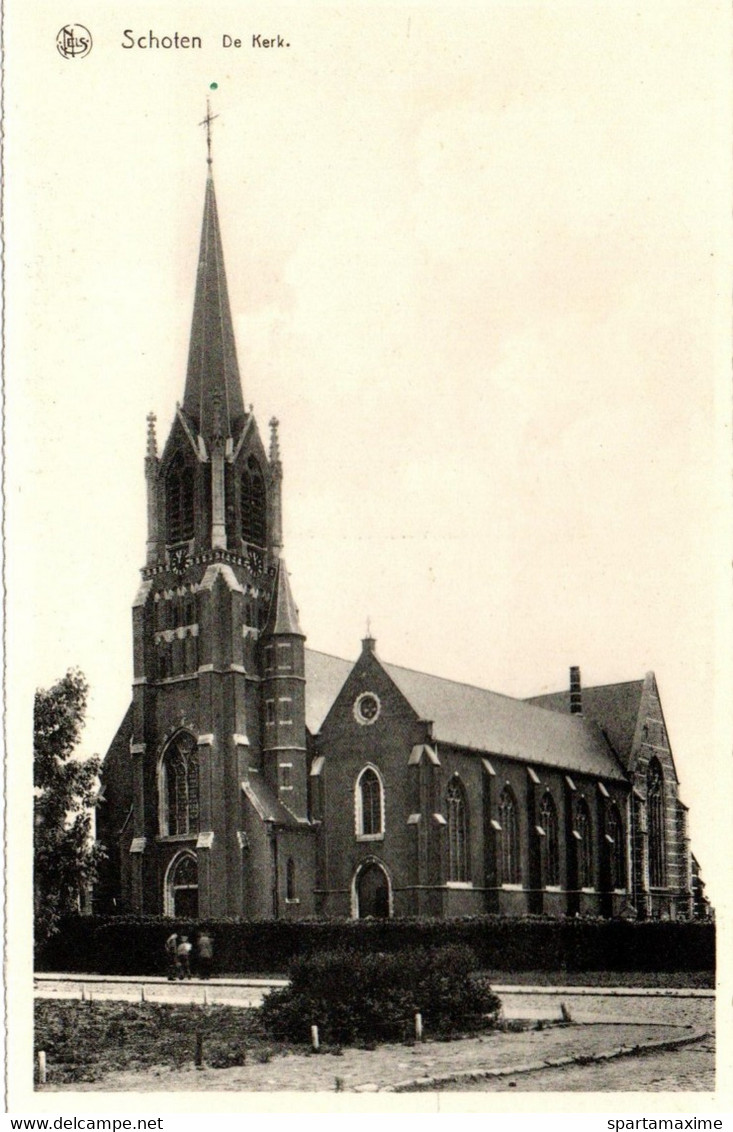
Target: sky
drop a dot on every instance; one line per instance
(477, 260)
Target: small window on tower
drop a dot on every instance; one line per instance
(286, 776)
(165, 661)
(268, 658)
(286, 709)
(285, 657)
(192, 655)
(161, 614)
(269, 711)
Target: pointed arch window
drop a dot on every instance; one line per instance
(615, 841)
(655, 822)
(179, 786)
(457, 811)
(584, 848)
(550, 846)
(369, 805)
(179, 497)
(509, 862)
(253, 500)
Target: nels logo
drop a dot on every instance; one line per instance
(74, 41)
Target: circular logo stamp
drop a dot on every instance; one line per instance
(74, 41)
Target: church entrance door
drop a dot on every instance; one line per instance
(372, 889)
(186, 905)
(183, 888)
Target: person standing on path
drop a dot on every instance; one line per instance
(171, 949)
(204, 954)
(183, 958)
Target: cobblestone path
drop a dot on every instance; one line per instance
(689, 1069)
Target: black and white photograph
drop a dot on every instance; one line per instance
(367, 557)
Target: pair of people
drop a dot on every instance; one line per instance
(178, 949)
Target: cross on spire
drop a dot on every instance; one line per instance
(207, 122)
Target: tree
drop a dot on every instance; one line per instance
(65, 789)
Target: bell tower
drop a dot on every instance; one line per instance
(210, 793)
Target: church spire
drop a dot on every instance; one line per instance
(283, 619)
(212, 355)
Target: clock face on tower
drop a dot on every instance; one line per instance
(255, 560)
(178, 559)
(366, 708)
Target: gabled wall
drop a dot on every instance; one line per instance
(349, 747)
(651, 740)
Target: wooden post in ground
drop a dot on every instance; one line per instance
(41, 1067)
(418, 1027)
(314, 1039)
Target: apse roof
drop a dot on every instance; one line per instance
(614, 707)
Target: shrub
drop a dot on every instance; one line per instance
(355, 997)
(225, 1054)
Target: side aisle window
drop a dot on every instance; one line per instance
(509, 863)
(456, 808)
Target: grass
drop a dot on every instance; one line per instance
(667, 980)
(83, 1040)
(679, 980)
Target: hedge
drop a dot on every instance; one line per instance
(134, 945)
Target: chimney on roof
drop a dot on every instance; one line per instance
(576, 695)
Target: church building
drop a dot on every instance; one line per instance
(253, 777)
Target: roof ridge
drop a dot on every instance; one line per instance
(332, 655)
(450, 680)
(478, 687)
(589, 688)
